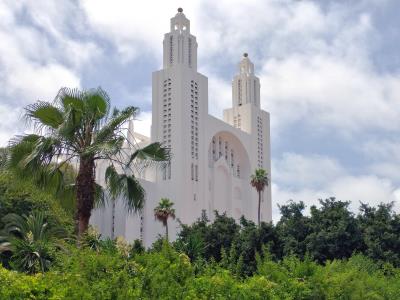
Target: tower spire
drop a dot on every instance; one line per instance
(245, 85)
(180, 47)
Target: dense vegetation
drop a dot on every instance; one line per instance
(110, 273)
(329, 254)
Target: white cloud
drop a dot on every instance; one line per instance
(10, 118)
(133, 27)
(383, 156)
(368, 189)
(329, 93)
(142, 123)
(382, 149)
(281, 196)
(219, 95)
(297, 170)
(37, 56)
(309, 178)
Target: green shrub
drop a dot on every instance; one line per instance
(21, 197)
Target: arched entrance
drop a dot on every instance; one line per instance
(229, 173)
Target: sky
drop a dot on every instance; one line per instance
(329, 71)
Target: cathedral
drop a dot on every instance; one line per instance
(212, 159)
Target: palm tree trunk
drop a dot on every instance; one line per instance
(166, 230)
(85, 191)
(259, 207)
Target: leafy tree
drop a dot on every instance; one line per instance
(334, 231)
(250, 241)
(193, 245)
(163, 211)
(380, 229)
(21, 196)
(215, 236)
(137, 248)
(30, 241)
(292, 229)
(78, 128)
(259, 180)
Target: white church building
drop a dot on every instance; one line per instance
(212, 159)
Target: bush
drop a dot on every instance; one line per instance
(166, 274)
(21, 197)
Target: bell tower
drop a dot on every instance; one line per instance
(180, 47)
(245, 85)
(180, 108)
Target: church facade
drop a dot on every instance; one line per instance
(212, 160)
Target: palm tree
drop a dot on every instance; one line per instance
(30, 241)
(259, 180)
(78, 128)
(163, 211)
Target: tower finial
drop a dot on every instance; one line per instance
(180, 9)
(245, 54)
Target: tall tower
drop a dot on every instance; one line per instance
(212, 160)
(247, 115)
(245, 85)
(180, 107)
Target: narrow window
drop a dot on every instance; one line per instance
(171, 48)
(190, 52)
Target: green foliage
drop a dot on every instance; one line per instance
(302, 257)
(20, 196)
(380, 229)
(293, 228)
(166, 274)
(335, 232)
(30, 241)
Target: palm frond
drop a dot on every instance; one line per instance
(68, 98)
(97, 103)
(125, 186)
(44, 114)
(107, 148)
(154, 152)
(44, 149)
(115, 124)
(20, 147)
(72, 124)
(259, 179)
(100, 196)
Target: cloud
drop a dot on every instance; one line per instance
(134, 28)
(297, 170)
(142, 123)
(38, 55)
(308, 178)
(368, 189)
(383, 156)
(337, 95)
(219, 95)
